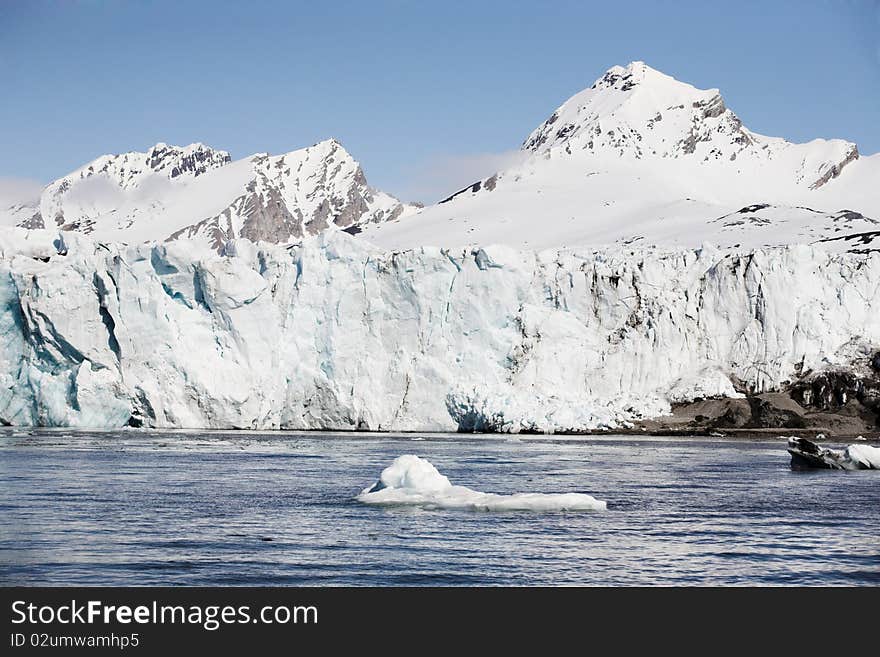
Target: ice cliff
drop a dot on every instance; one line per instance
(337, 334)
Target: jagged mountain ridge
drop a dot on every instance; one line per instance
(639, 157)
(636, 158)
(197, 192)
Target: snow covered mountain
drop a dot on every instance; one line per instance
(640, 157)
(197, 192)
(582, 288)
(637, 158)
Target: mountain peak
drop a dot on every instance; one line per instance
(194, 159)
(130, 169)
(622, 113)
(328, 147)
(635, 112)
(627, 78)
(190, 148)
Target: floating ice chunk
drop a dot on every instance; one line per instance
(807, 454)
(411, 480)
(864, 456)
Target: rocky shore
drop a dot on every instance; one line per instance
(837, 402)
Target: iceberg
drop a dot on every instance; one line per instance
(411, 480)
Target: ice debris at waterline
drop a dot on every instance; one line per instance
(807, 454)
(414, 481)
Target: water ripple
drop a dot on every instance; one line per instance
(185, 508)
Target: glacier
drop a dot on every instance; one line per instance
(338, 334)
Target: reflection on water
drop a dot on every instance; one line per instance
(246, 508)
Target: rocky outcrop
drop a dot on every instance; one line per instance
(831, 171)
(842, 400)
(193, 160)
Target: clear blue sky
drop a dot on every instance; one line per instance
(412, 89)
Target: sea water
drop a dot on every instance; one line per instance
(207, 508)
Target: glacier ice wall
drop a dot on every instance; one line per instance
(336, 334)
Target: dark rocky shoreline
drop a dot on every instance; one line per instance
(837, 402)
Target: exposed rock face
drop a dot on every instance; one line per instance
(352, 209)
(775, 411)
(854, 390)
(130, 170)
(268, 219)
(174, 161)
(300, 194)
(833, 170)
(35, 221)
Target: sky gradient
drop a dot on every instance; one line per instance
(426, 95)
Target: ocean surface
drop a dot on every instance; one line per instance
(206, 508)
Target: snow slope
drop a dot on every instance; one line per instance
(640, 157)
(337, 334)
(196, 192)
